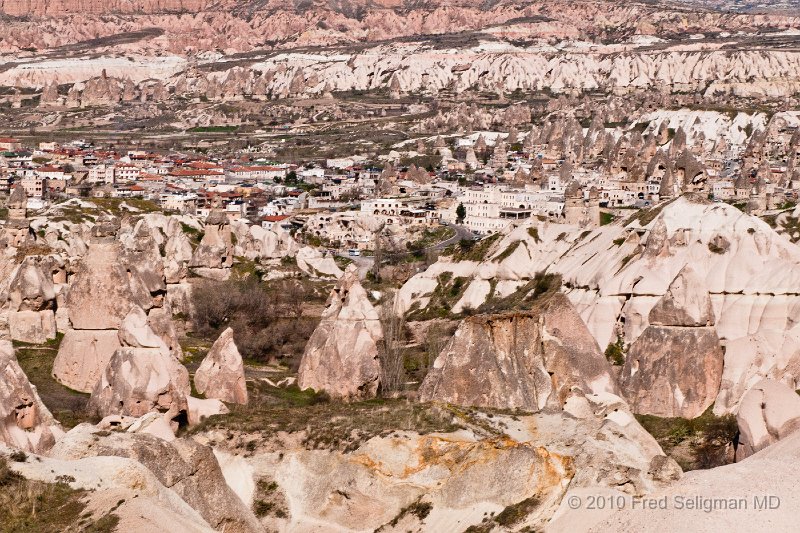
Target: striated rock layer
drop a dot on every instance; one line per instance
(526, 360)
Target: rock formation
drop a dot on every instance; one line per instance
(769, 475)
(316, 263)
(213, 257)
(675, 366)
(17, 230)
(341, 357)
(141, 375)
(31, 303)
(221, 374)
(519, 360)
(25, 422)
(82, 356)
(615, 274)
(103, 289)
(101, 294)
(768, 412)
(189, 469)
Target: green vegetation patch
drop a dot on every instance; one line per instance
(526, 297)
(326, 424)
(419, 509)
(615, 352)
(702, 442)
(115, 206)
(27, 505)
(213, 129)
(446, 294)
(509, 517)
(469, 250)
(68, 406)
(505, 254)
(429, 237)
(646, 216)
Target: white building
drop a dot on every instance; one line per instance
(492, 208)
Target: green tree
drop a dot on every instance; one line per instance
(461, 213)
(291, 178)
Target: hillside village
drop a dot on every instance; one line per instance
(561, 171)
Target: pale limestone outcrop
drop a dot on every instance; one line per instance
(199, 409)
(179, 298)
(152, 423)
(31, 301)
(213, 257)
(139, 380)
(160, 321)
(750, 272)
(221, 374)
(25, 422)
(188, 468)
(525, 360)
(686, 302)
(316, 264)
(615, 275)
(463, 477)
(83, 356)
(256, 242)
(341, 357)
(768, 478)
(35, 327)
(177, 254)
(768, 412)
(142, 253)
(675, 366)
(103, 290)
(31, 289)
(135, 331)
(120, 485)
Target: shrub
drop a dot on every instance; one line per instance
(615, 352)
(266, 319)
(709, 438)
(606, 218)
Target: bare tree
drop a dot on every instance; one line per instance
(435, 340)
(377, 256)
(392, 354)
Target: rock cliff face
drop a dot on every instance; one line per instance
(769, 412)
(616, 274)
(32, 296)
(39, 8)
(675, 366)
(213, 257)
(341, 357)
(25, 422)
(771, 472)
(240, 24)
(150, 49)
(521, 360)
(101, 294)
(187, 468)
(462, 477)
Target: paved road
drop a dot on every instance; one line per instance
(461, 233)
(364, 263)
